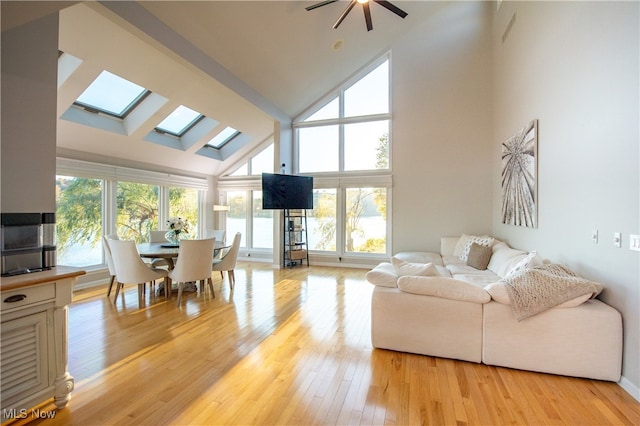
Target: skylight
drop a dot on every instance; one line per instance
(179, 122)
(111, 95)
(223, 137)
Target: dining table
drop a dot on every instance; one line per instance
(169, 251)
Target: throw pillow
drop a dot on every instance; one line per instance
(460, 245)
(531, 260)
(483, 240)
(419, 269)
(479, 256)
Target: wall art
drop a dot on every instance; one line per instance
(519, 177)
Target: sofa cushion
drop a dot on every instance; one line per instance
(409, 268)
(447, 288)
(504, 258)
(383, 275)
(498, 292)
(481, 280)
(461, 268)
(479, 256)
(419, 257)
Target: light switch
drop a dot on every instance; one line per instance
(617, 239)
(594, 236)
(634, 242)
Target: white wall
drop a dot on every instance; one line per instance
(442, 128)
(575, 67)
(29, 93)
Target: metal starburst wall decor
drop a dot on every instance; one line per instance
(519, 177)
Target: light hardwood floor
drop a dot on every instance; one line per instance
(292, 347)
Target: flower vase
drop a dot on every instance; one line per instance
(173, 237)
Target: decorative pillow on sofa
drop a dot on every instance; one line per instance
(504, 258)
(483, 240)
(408, 268)
(479, 256)
(447, 288)
(531, 260)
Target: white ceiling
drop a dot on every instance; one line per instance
(242, 63)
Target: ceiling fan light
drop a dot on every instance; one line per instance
(363, 1)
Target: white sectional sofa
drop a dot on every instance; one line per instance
(437, 304)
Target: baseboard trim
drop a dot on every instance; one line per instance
(630, 388)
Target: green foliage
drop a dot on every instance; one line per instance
(78, 211)
(137, 206)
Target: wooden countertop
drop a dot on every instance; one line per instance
(35, 278)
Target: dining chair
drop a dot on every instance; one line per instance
(110, 266)
(218, 234)
(228, 262)
(130, 268)
(159, 237)
(193, 264)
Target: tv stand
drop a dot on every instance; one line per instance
(295, 238)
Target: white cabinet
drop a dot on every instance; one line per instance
(33, 330)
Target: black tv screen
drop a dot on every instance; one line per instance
(286, 192)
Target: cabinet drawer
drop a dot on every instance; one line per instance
(27, 296)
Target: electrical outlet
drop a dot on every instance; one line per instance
(617, 239)
(594, 236)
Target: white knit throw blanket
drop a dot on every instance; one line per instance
(535, 290)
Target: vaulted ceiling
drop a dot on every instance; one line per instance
(246, 64)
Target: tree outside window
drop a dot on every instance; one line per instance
(78, 221)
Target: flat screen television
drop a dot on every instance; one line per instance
(286, 192)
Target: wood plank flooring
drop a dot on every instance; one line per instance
(292, 347)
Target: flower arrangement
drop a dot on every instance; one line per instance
(177, 226)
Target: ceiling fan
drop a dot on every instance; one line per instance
(365, 6)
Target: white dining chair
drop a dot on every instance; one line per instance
(159, 237)
(130, 268)
(228, 261)
(193, 264)
(107, 255)
(218, 234)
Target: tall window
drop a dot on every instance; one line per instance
(78, 221)
(351, 131)
(366, 223)
(348, 135)
(321, 221)
(262, 230)
(137, 209)
(237, 214)
(183, 202)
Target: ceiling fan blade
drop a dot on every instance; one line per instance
(401, 13)
(322, 3)
(344, 14)
(367, 16)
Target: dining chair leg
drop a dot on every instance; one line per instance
(167, 288)
(232, 278)
(113, 278)
(210, 282)
(222, 275)
(180, 286)
(118, 286)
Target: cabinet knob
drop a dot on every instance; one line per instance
(15, 298)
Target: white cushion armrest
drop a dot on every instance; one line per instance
(498, 292)
(383, 275)
(447, 288)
